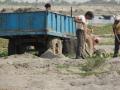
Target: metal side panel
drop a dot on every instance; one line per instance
(22, 23)
(60, 25)
(36, 23)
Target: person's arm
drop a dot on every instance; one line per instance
(114, 28)
(114, 31)
(116, 22)
(78, 20)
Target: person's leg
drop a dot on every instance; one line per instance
(80, 44)
(116, 48)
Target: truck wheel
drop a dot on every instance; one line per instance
(69, 46)
(21, 49)
(14, 48)
(56, 46)
(11, 47)
(41, 48)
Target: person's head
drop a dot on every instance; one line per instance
(89, 15)
(48, 6)
(117, 19)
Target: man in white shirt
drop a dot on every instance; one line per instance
(83, 33)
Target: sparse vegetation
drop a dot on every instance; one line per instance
(103, 30)
(86, 69)
(107, 41)
(92, 63)
(62, 66)
(3, 53)
(89, 67)
(105, 33)
(3, 47)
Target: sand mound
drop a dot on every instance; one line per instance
(21, 9)
(50, 55)
(29, 72)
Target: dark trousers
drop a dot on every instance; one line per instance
(80, 43)
(117, 45)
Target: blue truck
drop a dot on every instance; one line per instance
(41, 29)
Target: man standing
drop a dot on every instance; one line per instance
(82, 33)
(116, 30)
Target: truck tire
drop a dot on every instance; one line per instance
(21, 48)
(69, 46)
(15, 48)
(56, 46)
(11, 47)
(41, 48)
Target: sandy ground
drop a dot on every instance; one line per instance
(28, 72)
(107, 48)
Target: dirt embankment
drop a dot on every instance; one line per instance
(28, 72)
(77, 10)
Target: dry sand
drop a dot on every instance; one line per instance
(28, 72)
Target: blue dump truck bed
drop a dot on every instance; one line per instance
(36, 23)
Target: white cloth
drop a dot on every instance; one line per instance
(83, 21)
(117, 17)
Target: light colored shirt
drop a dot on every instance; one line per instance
(82, 24)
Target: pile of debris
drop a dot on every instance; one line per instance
(28, 9)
